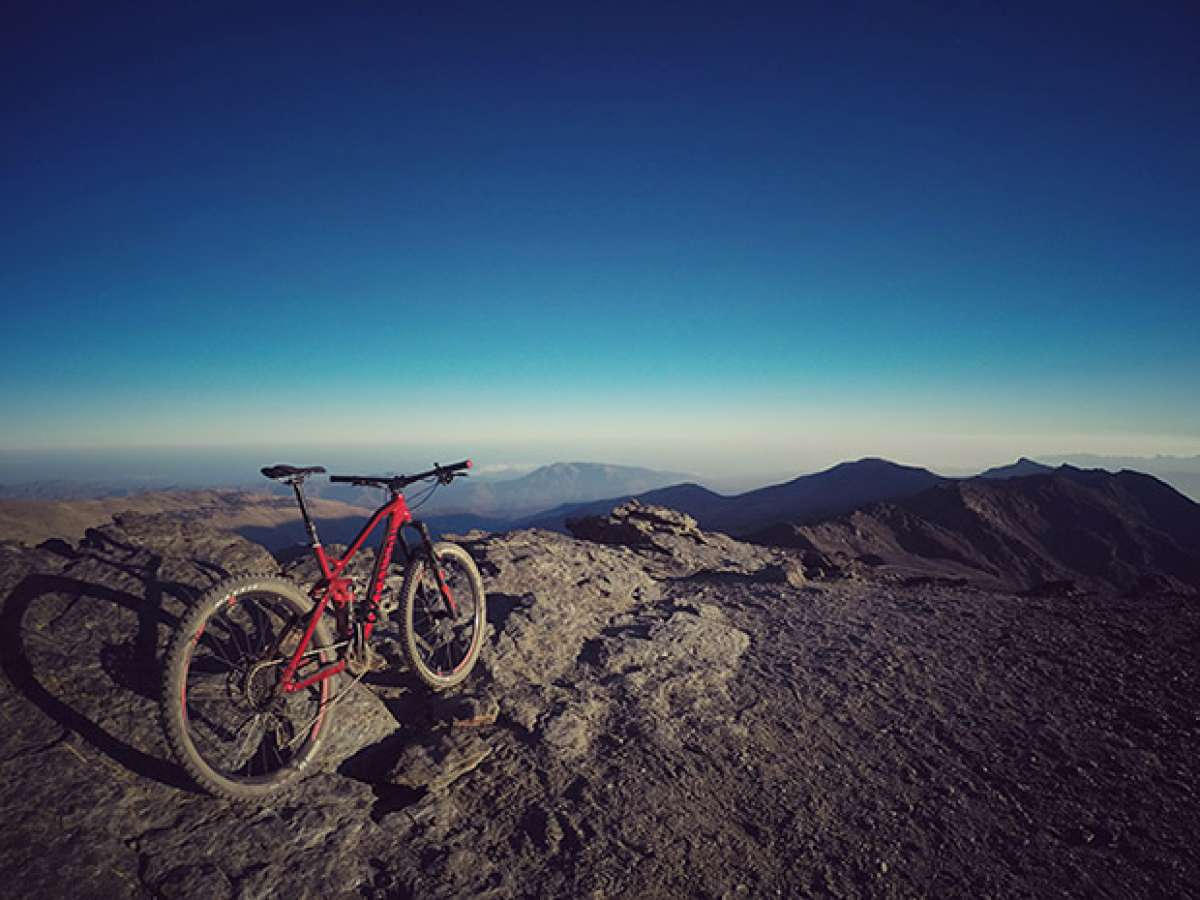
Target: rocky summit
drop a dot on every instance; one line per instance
(658, 711)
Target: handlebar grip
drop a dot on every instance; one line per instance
(465, 464)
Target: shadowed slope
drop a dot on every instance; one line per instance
(1096, 530)
(844, 487)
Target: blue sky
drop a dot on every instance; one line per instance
(754, 241)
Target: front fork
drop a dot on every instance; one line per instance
(438, 574)
(359, 632)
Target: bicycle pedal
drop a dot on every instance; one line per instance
(359, 662)
(366, 661)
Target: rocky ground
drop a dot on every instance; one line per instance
(658, 712)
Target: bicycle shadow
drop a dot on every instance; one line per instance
(87, 654)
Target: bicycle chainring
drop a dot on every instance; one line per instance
(389, 599)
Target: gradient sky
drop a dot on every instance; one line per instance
(755, 241)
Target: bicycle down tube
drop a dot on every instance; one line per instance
(337, 588)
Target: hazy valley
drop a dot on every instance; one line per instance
(543, 498)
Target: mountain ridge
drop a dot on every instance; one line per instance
(831, 491)
(1022, 467)
(274, 520)
(1080, 529)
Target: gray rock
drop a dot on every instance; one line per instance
(671, 721)
(438, 759)
(360, 720)
(178, 542)
(466, 710)
(789, 572)
(634, 524)
(83, 764)
(569, 733)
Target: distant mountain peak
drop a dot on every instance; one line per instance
(821, 494)
(1023, 467)
(872, 464)
(867, 462)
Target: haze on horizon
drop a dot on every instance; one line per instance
(739, 246)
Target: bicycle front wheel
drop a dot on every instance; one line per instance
(235, 732)
(443, 635)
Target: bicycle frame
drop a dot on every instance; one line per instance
(334, 587)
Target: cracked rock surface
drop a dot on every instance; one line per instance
(95, 805)
(658, 711)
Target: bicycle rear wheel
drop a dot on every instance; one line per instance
(441, 640)
(229, 726)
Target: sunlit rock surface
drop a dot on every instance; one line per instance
(658, 711)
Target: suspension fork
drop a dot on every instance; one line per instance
(438, 574)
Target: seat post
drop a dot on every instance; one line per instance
(309, 525)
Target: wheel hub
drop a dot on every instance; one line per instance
(259, 687)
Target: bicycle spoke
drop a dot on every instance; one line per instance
(210, 667)
(215, 731)
(238, 639)
(210, 689)
(422, 643)
(262, 627)
(210, 642)
(442, 634)
(278, 741)
(250, 738)
(443, 608)
(231, 709)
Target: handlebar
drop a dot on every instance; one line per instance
(444, 474)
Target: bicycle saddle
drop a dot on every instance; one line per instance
(288, 473)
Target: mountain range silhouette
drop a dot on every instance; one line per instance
(1025, 526)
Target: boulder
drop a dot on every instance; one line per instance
(438, 759)
(466, 710)
(634, 524)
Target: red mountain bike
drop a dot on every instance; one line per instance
(248, 678)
